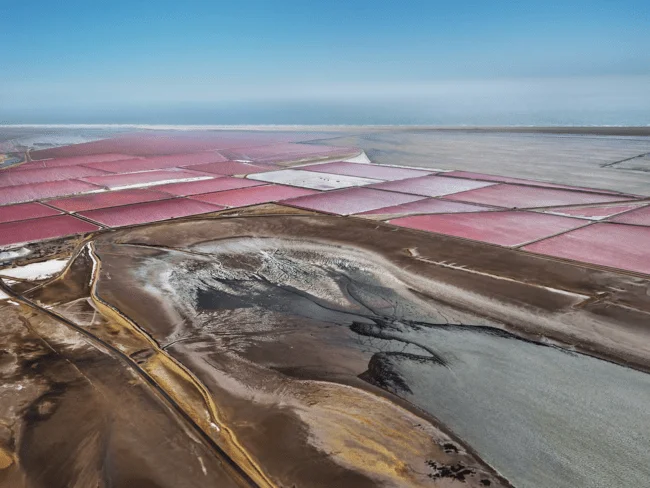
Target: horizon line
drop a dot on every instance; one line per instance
(317, 126)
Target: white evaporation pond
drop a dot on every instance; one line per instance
(312, 179)
(35, 271)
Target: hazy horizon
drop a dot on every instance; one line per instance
(288, 62)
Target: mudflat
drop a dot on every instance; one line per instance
(315, 350)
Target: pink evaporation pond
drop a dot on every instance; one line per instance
(351, 200)
(141, 213)
(107, 199)
(42, 175)
(146, 177)
(288, 152)
(229, 168)
(159, 162)
(516, 196)
(502, 228)
(374, 171)
(253, 196)
(73, 161)
(37, 191)
(521, 181)
(42, 228)
(25, 211)
(614, 245)
(431, 186)
(637, 217)
(593, 213)
(163, 143)
(207, 186)
(428, 206)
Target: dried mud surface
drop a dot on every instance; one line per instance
(72, 415)
(307, 350)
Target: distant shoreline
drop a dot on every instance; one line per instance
(584, 130)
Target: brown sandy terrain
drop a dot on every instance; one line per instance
(74, 415)
(314, 431)
(282, 348)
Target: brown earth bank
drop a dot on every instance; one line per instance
(72, 414)
(306, 350)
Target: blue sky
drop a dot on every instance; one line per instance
(95, 54)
